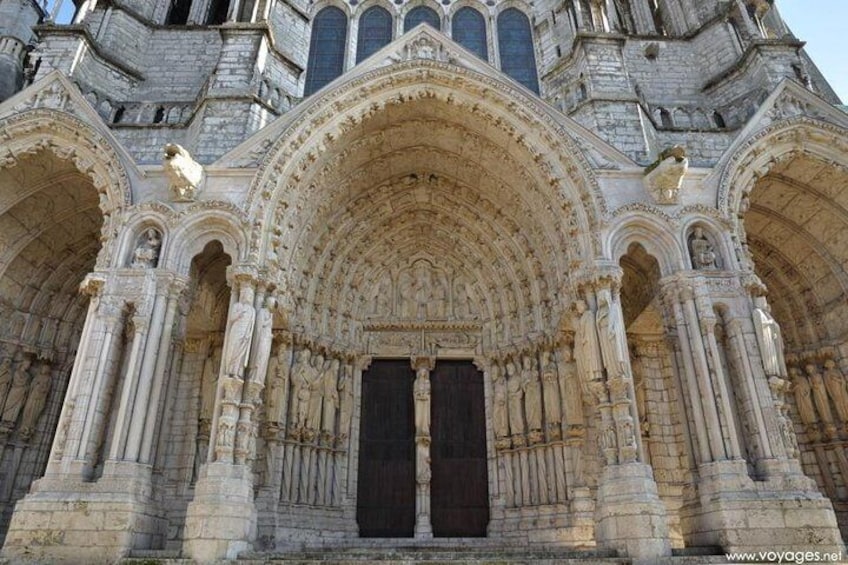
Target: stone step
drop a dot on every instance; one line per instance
(475, 553)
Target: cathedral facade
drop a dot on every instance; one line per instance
(278, 274)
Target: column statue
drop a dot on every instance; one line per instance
(516, 401)
(345, 400)
(209, 384)
(264, 340)
(421, 391)
(301, 379)
(239, 334)
(278, 386)
(500, 416)
(532, 394)
(573, 395)
(319, 366)
(835, 383)
(330, 393)
(588, 351)
(5, 379)
(37, 398)
(550, 388)
(610, 336)
(803, 397)
(820, 398)
(17, 394)
(769, 339)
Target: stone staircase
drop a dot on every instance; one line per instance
(469, 552)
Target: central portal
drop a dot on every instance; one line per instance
(386, 494)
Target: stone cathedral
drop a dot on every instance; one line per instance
(292, 275)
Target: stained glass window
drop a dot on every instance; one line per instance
(421, 14)
(326, 49)
(515, 45)
(469, 30)
(375, 32)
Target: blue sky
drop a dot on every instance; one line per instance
(823, 24)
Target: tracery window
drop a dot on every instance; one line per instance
(469, 30)
(326, 49)
(515, 45)
(421, 14)
(375, 32)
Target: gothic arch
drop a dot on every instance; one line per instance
(198, 226)
(411, 149)
(657, 236)
(71, 139)
(782, 189)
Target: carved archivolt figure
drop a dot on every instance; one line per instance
(330, 393)
(37, 398)
(421, 391)
(17, 395)
(500, 418)
(550, 385)
(835, 383)
(769, 339)
(702, 251)
(588, 351)
(239, 334)
(610, 335)
(146, 254)
(515, 392)
(803, 397)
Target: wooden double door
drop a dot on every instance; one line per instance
(459, 499)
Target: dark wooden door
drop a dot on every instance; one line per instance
(459, 495)
(386, 484)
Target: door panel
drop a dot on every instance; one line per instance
(459, 497)
(386, 485)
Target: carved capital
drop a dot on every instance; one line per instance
(423, 362)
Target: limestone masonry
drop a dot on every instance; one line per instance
(284, 275)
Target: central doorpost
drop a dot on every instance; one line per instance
(423, 473)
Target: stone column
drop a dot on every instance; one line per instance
(423, 473)
(629, 514)
(221, 520)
